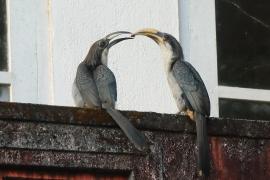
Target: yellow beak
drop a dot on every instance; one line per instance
(154, 34)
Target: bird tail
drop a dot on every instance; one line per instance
(203, 145)
(134, 135)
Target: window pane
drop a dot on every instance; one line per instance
(3, 37)
(245, 109)
(243, 43)
(4, 92)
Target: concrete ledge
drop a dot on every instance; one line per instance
(142, 120)
(66, 137)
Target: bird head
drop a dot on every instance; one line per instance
(98, 52)
(169, 45)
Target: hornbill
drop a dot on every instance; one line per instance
(187, 88)
(95, 86)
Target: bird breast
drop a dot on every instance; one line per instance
(176, 91)
(167, 57)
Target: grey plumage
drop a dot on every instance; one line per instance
(85, 92)
(194, 90)
(95, 87)
(188, 90)
(196, 99)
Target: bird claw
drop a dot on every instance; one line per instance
(188, 113)
(200, 173)
(182, 113)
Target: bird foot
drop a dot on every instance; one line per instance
(182, 113)
(200, 173)
(190, 114)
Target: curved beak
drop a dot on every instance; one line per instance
(114, 42)
(154, 34)
(113, 35)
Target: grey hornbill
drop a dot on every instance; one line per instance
(95, 86)
(187, 88)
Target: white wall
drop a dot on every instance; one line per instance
(28, 51)
(137, 64)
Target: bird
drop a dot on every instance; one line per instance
(188, 89)
(95, 86)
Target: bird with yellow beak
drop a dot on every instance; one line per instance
(188, 90)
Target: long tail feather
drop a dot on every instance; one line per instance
(203, 145)
(134, 135)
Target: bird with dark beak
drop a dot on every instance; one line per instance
(188, 90)
(95, 86)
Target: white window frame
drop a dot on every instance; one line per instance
(244, 93)
(6, 76)
(198, 37)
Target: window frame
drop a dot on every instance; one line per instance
(197, 36)
(6, 76)
(243, 93)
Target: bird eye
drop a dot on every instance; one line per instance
(102, 44)
(165, 37)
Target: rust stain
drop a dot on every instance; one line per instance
(26, 157)
(266, 159)
(54, 175)
(225, 168)
(239, 149)
(84, 115)
(235, 159)
(218, 161)
(135, 115)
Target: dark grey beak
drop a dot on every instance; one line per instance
(115, 34)
(114, 42)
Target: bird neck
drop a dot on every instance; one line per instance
(104, 56)
(91, 61)
(96, 58)
(171, 53)
(169, 58)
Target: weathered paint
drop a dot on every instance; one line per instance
(54, 137)
(29, 174)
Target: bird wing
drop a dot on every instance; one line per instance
(106, 85)
(77, 97)
(192, 86)
(86, 86)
